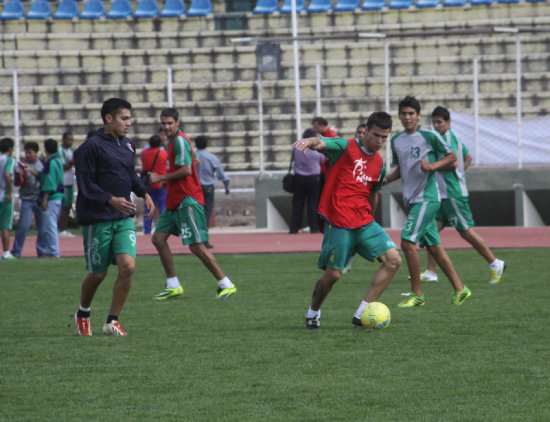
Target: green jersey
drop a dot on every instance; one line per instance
(452, 183)
(7, 165)
(408, 150)
(51, 179)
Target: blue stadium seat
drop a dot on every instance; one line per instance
(67, 9)
(455, 3)
(120, 9)
(479, 2)
(508, 1)
(319, 6)
(346, 5)
(374, 4)
(266, 7)
(401, 4)
(536, 1)
(287, 6)
(13, 9)
(40, 9)
(200, 8)
(427, 3)
(146, 9)
(93, 9)
(173, 9)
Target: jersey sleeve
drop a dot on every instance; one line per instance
(378, 184)
(182, 152)
(335, 147)
(465, 149)
(440, 148)
(395, 158)
(10, 165)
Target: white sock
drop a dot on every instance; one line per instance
(83, 309)
(172, 283)
(430, 273)
(313, 314)
(225, 283)
(7, 254)
(494, 264)
(360, 308)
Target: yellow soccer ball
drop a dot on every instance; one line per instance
(376, 315)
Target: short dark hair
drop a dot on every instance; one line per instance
(155, 141)
(362, 125)
(170, 112)
(442, 112)
(320, 121)
(201, 142)
(66, 133)
(381, 119)
(6, 144)
(50, 146)
(90, 133)
(309, 133)
(112, 106)
(31, 145)
(410, 101)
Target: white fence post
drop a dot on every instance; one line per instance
(18, 154)
(261, 121)
(317, 90)
(296, 71)
(169, 91)
(476, 109)
(518, 100)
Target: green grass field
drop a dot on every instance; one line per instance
(250, 358)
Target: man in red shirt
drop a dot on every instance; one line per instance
(184, 213)
(347, 205)
(153, 159)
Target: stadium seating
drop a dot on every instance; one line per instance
(146, 9)
(67, 9)
(266, 7)
(508, 1)
(120, 9)
(173, 8)
(427, 3)
(455, 3)
(40, 9)
(287, 6)
(93, 9)
(13, 9)
(319, 6)
(346, 5)
(481, 2)
(401, 4)
(200, 8)
(374, 4)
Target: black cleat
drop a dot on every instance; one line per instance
(313, 323)
(356, 321)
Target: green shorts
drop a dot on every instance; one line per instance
(6, 215)
(188, 221)
(456, 212)
(68, 197)
(370, 242)
(420, 225)
(105, 240)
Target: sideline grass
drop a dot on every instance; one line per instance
(250, 358)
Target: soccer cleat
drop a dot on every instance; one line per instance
(83, 327)
(428, 276)
(9, 257)
(356, 321)
(460, 297)
(168, 293)
(313, 323)
(496, 273)
(114, 329)
(224, 293)
(411, 301)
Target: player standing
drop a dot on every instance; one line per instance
(347, 204)
(184, 214)
(415, 152)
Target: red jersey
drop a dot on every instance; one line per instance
(180, 153)
(147, 158)
(350, 181)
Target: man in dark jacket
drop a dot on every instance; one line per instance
(106, 176)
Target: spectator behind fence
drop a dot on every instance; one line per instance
(7, 165)
(153, 159)
(208, 168)
(66, 153)
(29, 190)
(307, 170)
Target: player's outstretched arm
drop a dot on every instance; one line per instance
(306, 144)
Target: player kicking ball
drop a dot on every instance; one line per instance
(347, 205)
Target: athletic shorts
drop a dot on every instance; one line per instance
(6, 215)
(420, 225)
(456, 212)
(68, 197)
(370, 242)
(103, 241)
(188, 221)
